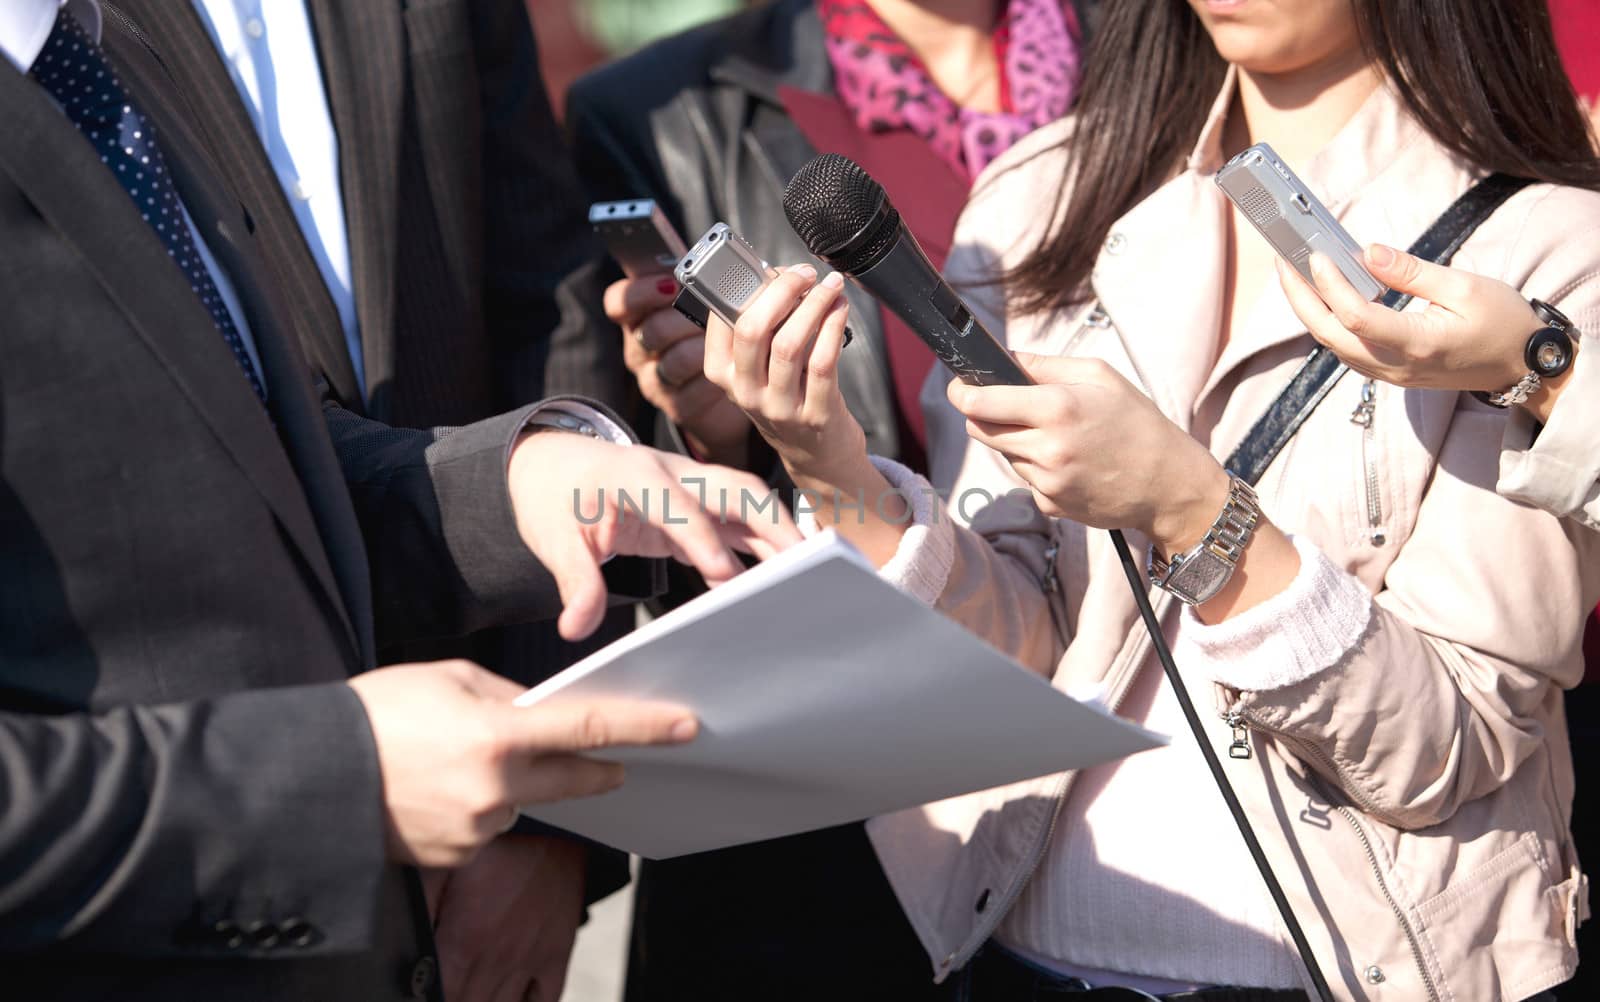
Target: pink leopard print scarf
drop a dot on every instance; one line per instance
(885, 86)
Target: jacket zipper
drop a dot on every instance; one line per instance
(1309, 750)
(1239, 747)
(1363, 416)
(1394, 906)
(1097, 319)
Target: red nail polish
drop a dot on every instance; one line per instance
(666, 286)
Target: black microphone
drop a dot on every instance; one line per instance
(845, 218)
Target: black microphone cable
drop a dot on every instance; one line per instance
(1153, 626)
(844, 216)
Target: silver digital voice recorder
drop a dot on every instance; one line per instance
(1294, 221)
(638, 235)
(725, 274)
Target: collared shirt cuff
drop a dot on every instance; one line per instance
(575, 416)
(1297, 634)
(578, 417)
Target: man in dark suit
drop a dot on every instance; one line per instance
(411, 187)
(200, 802)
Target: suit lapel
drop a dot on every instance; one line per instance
(198, 69)
(367, 96)
(71, 188)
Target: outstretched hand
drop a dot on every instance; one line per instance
(456, 757)
(567, 491)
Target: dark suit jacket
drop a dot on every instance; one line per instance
(186, 583)
(473, 264)
(469, 240)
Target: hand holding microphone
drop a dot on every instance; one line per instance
(846, 219)
(780, 365)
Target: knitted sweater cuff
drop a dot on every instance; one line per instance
(1296, 635)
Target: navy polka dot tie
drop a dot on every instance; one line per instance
(74, 69)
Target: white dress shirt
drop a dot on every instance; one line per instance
(271, 52)
(25, 26)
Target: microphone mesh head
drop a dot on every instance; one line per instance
(830, 200)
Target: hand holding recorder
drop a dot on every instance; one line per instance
(1473, 335)
(665, 352)
(779, 363)
(661, 347)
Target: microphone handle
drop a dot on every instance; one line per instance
(905, 281)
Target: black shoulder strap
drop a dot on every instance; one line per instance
(1322, 368)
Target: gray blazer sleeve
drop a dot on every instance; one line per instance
(441, 535)
(135, 831)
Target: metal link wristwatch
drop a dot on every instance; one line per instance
(1196, 576)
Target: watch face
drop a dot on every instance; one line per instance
(1549, 352)
(1200, 576)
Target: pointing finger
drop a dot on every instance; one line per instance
(581, 585)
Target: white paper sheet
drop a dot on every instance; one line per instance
(825, 695)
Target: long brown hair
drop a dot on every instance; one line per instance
(1482, 76)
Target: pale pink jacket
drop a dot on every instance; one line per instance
(1411, 779)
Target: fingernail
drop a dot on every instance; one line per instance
(804, 269)
(667, 287)
(835, 280)
(684, 730)
(1380, 255)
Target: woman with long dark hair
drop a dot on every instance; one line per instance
(1380, 647)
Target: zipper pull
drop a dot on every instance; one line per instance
(1362, 415)
(1240, 748)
